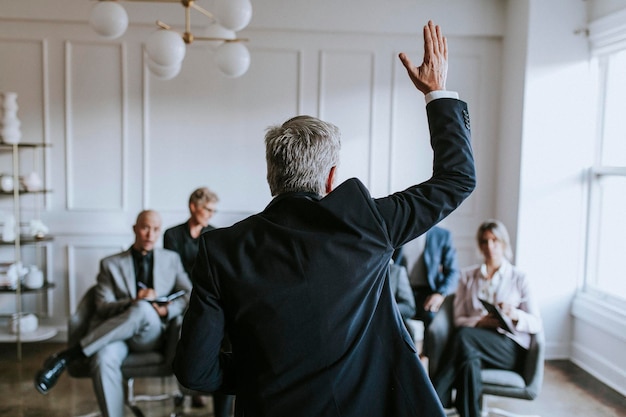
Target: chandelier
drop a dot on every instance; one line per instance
(166, 48)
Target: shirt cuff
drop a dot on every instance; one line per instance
(434, 95)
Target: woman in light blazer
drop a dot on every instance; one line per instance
(482, 340)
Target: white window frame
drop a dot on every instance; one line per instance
(607, 36)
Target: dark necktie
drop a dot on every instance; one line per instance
(144, 269)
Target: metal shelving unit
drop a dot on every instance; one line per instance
(21, 240)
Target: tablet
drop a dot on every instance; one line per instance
(505, 321)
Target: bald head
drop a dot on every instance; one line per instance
(147, 230)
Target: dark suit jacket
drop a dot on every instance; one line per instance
(442, 269)
(302, 290)
(179, 240)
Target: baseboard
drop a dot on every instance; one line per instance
(599, 368)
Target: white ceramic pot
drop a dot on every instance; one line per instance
(32, 182)
(6, 183)
(34, 278)
(28, 322)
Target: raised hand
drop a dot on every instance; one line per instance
(431, 75)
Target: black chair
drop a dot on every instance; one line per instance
(137, 365)
(525, 385)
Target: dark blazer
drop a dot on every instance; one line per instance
(303, 292)
(442, 269)
(179, 240)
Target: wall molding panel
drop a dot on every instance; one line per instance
(124, 140)
(83, 260)
(96, 125)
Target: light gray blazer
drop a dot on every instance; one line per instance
(514, 290)
(117, 284)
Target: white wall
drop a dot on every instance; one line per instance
(123, 140)
(554, 150)
(557, 138)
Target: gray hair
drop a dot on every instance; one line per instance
(300, 154)
(201, 196)
(499, 230)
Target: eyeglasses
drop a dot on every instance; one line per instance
(486, 241)
(209, 210)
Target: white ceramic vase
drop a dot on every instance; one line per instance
(33, 278)
(10, 131)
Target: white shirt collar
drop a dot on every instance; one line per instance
(489, 287)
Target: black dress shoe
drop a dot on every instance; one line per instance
(198, 401)
(52, 369)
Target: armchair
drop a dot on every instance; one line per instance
(525, 385)
(137, 364)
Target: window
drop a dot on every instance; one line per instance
(606, 243)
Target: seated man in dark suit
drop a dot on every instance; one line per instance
(434, 274)
(125, 320)
(301, 288)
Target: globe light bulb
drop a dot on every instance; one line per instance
(164, 72)
(233, 59)
(233, 14)
(166, 48)
(109, 19)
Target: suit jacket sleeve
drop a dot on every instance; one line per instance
(111, 297)
(198, 363)
(410, 213)
(181, 282)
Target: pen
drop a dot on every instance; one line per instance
(142, 285)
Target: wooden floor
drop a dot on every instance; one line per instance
(567, 392)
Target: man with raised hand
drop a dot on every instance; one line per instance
(302, 287)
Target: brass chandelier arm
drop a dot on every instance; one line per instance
(203, 11)
(152, 1)
(187, 19)
(188, 37)
(162, 25)
(205, 38)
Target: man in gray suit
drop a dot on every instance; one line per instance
(126, 318)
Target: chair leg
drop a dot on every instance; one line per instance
(132, 400)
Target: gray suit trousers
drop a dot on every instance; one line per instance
(138, 328)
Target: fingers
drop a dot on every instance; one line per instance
(429, 46)
(405, 61)
(435, 44)
(431, 74)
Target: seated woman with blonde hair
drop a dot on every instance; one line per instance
(481, 339)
